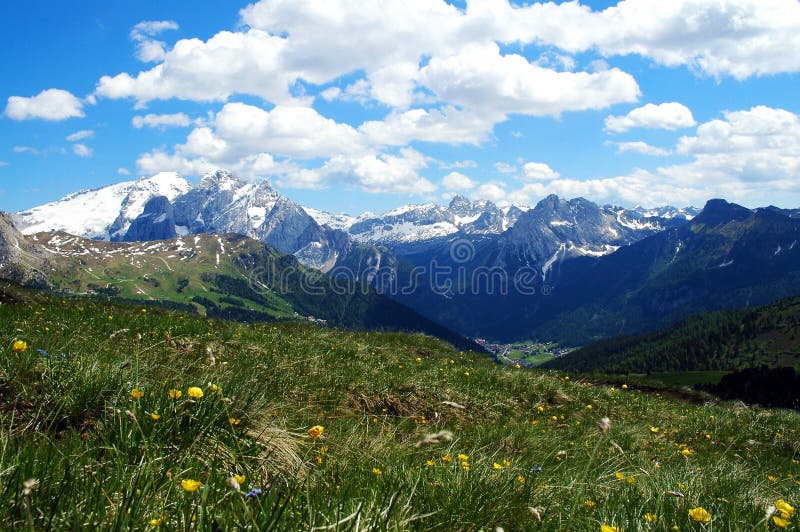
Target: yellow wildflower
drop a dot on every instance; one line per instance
(377, 471)
(194, 392)
(517, 366)
(651, 518)
(430, 463)
(174, 394)
(316, 431)
(240, 478)
(215, 388)
(687, 452)
(465, 465)
(786, 509)
(190, 485)
(497, 466)
(589, 407)
(156, 522)
(418, 359)
(540, 408)
(155, 416)
(590, 503)
(19, 346)
(700, 515)
(234, 421)
(609, 528)
(654, 430)
(620, 476)
(520, 479)
(624, 386)
(447, 458)
(506, 463)
(780, 522)
(137, 394)
(631, 480)
(772, 478)
(463, 457)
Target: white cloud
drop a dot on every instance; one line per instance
(457, 181)
(149, 28)
(3, 163)
(147, 49)
(490, 191)
(50, 104)
(229, 63)
(26, 149)
(748, 157)
(290, 131)
(479, 77)
(82, 150)
(81, 135)
(467, 163)
(538, 171)
(640, 147)
(372, 173)
(669, 116)
(123, 171)
(446, 125)
(161, 121)
(505, 168)
(738, 38)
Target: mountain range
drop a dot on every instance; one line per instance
(223, 276)
(563, 270)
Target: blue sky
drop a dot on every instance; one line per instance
(352, 105)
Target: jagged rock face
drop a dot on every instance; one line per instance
(422, 224)
(222, 203)
(20, 261)
(557, 229)
(157, 222)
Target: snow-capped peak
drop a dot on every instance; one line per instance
(92, 213)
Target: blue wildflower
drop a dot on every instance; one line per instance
(253, 493)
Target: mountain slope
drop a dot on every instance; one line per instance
(726, 257)
(228, 276)
(104, 213)
(107, 443)
(725, 340)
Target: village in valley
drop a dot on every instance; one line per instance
(524, 353)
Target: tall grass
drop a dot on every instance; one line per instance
(78, 450)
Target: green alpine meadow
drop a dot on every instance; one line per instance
(122, 417)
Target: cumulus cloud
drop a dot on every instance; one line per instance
(379, 173)
(81, 135)
(746, 157)
(123, 171)
(161, 121)
(505, 168)
(457, 181)
(670, 116)
(738, 38)
(480, 77)
(640, 147)
(50, 104)
(444, 125)
(148, 49)
(490, 191)
(82, 150)
(538, 171)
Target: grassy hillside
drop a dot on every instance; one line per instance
(726, 340)
(224, 276)
(90, 436)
